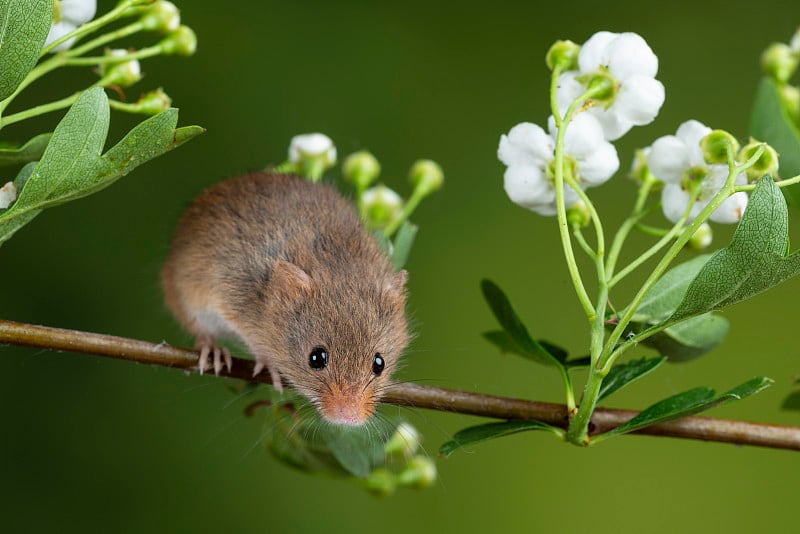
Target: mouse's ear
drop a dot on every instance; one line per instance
(290, 280)
(395, 286)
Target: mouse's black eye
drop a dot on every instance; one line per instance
(318, 359)
(378, 364)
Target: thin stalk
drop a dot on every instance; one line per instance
(143, 53)
(106, 38)
(782, 183)
(628, 225)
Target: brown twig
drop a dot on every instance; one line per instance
(406, 394)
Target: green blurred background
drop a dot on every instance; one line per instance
(90, 444)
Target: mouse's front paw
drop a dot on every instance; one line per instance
(207, 347)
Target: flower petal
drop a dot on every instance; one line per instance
(527, 186)
(674, 201)
(691, 132)
(593, 53)
(584, 135)
(57, 31)
(599, 166)
(668, 159)
(628, 55)
(567, 90)
(731, 210)
(526, 144)
(78, 11)
(639, 99)
(614, 126)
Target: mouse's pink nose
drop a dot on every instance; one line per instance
(345, 409)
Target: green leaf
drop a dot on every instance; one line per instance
(691, 337)
(687, 403)
(518, 334)
(666, 294)
(10, 226)
(754, 261)
(792, 401)
(769, 122)
(30, 151)
(72, 166)
(623, 374)
(503, 341)
(477, 434)
(24, 25)
(401, 246)
(356, 449)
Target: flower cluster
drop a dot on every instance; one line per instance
(611, 80)
(680, 162)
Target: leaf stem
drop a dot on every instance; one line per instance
(106, 38)
(636, 214)
(142, 53)
(783, 183)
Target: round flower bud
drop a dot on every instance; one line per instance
(426, 176)
(361, 169)
(162, 17)
(181, 42)
(578, 214)
(404, 442)
(563, 54)
(767, 163)
(380, 205)
(702, 238)
(779, 62)
(381, 482)
(8, 194)
(790, 98)
(794, 44)
(716, 146)
(420, 472)
(154, 102)
(314, 146)
(604, 85)
(124, 73)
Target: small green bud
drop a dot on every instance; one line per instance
(779, 62)
(603, 85)
(181, 42)
(380, 205)
(361, 169)
(794, 44)
(419, 472)
(717, 144)
(154, 102)
(767, 163)
(563, 54)
(702, 238)
(162, 17)
(578, 214)
(381, 482)
(426, 176)
(123, 73)
(790, 99)
(404, 442)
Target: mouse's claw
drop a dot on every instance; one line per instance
(273, 374)
(207, 347)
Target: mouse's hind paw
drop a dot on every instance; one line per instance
(209, 349)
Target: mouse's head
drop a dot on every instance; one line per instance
(340, 339)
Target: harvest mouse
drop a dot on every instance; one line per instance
(285, 266)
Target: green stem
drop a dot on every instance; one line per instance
(106, 38)
(649, 253)
(651, 230)
(561, 210)
(578, 432)
(49, 107)
(578, 235)
(629, 224)
(610, 355)
(144, 53)
(95, 24)
(783, 183)
(408, 209)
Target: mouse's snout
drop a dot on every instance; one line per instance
(350, 407)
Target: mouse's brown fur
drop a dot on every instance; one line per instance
(286, 266)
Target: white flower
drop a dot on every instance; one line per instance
(677, 160)
(68, 15)
(528, 151)
(631, 62)
(125, 73)
(8, 194)
(312, 146)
